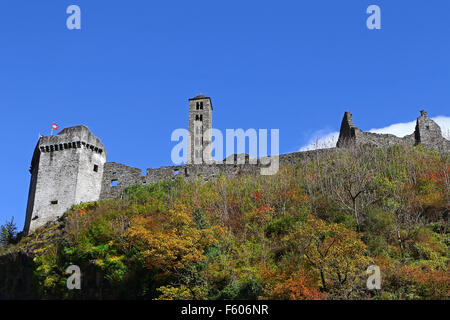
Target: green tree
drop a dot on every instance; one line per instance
(8, 231)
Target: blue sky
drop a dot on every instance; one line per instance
(291, 65)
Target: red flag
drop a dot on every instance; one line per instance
(55, 126)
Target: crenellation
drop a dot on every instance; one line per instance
(70, 145)
(63, 174)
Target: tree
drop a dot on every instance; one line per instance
(288, 284)
(349, 181)
(336, 253)
(173, 247)
(8, 231)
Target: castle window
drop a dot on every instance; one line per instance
(54, 202)
(428, 127)
(114, 173)
(95, 168)
(176, 171)
(197, 106)
(201, 105)
(114, 183)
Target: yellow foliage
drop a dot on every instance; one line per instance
(335, 252)
(171, 241)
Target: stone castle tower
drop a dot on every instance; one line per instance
(66, 169)
(200, 125)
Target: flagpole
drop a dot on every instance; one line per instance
(52, 129)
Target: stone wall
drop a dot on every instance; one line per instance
(427, 133)
(126, 176)
(66, 169)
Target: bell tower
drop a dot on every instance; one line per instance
(200, 121)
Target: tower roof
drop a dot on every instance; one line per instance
(78, 133)
(201, 97)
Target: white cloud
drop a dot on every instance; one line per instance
(322, 139)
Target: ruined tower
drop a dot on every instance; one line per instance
(200, 123)
(66, 169)
(347, 132)
(427, 132)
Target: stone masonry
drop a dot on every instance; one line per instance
(70, 167)
(66, 169)
(427, 133)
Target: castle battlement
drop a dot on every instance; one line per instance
(70, 167)
(66, 169)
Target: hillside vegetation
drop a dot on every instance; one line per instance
(308, 232)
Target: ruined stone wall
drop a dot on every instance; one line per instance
(427, 133)
(117, 177)
(380, 140)
(126, 176)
